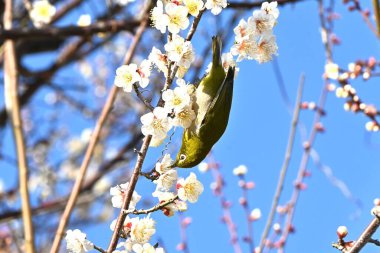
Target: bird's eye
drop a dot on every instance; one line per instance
(182, 157)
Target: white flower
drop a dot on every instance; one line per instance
(159, 60)
(167, 179)
(119, 192)
(159, 19)
(203, 167)
(240, 170)
(42, 12)
(123, 2)
(255, 214)
(77, 242)
(241, 30)
(126, 225)
(176, 99)
(84, 20)
(216, 6)
(244, 48)
(271, 9)
(194, 6)
(144, 72)
(126, 76)
(189, 189)
(184, 117)
(180, 51)
(332, 70)
(181, 72)
(142, 230)
(229, 61)
(260, 23)
(163, 166)
(146, 248)
(156, 123)
(177, 17)
(266, 48)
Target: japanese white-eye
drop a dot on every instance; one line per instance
(212, 105)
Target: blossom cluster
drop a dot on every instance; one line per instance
(254, 38)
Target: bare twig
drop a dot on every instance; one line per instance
(154, 208)
(376, 10)
(247, 5)
(13, 109)
(67, 31)
(285, 165)
(365, 237)
(93, 141)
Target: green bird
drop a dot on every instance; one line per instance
(212, 105)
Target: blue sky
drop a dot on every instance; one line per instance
(257, 137)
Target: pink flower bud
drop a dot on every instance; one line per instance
(250, 185)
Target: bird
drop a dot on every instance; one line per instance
(212, 105)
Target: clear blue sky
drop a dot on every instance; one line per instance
(257, 136)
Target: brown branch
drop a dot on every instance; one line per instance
(91, 147)
(376, 10)
(365, 237)
(285, 165)
(13, 109)
(154, 208)
(142, 153)
(67, 31)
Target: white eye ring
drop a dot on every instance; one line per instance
(182, 157)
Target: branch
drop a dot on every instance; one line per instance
(154, 208)
(92, 144)
(365, 237)
(285, 165)
(376, 10)
(13, 109)
(61, 32)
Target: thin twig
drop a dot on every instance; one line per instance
(285, 165)
(72, 30)
(154, 208)
(246, 5)
(92, 144)
(376, 10)
(365, 237)
(13, 109)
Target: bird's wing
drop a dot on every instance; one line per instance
(222, 101)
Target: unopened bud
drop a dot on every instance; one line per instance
(342, 232)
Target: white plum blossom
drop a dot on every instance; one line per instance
(180, 51)
(266, 48)
(84, 20)
(146, 248)
(123, 2)
(156, 123)
(332, 70)
(241, 30)
(176, 99)
(244, 48)
(159, 60)
(194, 6)
(216, 6)
(184, 117)
(260, 23)
(271, 8)
(190, 188)
(255, 214)
(119, 192)
(177, 17)
(163, 166)
(126, 76)
(142, 230)
(77, 242)
(144, 71)
(42, 12)
(240, 170)
(159, 19)
(181, 72)
(167, 179)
